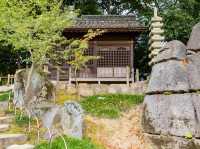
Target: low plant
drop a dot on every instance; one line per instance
(71, 143)
(5, 96)
(188, 135)
(21, 120)
(110, 105)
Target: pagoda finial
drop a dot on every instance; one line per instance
(155, 11)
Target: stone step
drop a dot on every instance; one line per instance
(6, 119)
(2, 113)
(9, 139)
(24, 146)
(4, 127)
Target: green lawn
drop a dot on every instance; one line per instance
(110, 106)
(4, 96)
(72, 143)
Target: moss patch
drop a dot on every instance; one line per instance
(110, 105)
(62, 96)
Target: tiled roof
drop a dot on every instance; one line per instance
(112, 22)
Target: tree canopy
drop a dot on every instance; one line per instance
(29, 25)
(33, 25)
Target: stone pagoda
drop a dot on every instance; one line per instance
(156, 36)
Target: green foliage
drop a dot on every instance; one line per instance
(72, 143)
(111, 105)
(167, 93)
(75, 53)
(33, 25)
(84, 6)
(188, 135)
(22, 120)
(5, 96)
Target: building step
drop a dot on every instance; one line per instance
(9, 139)
(6, 119)
(4, 127)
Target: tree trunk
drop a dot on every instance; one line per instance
(28, 84)
(76, 82)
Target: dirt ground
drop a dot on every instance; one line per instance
(122, 133)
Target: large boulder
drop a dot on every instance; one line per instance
(39, 90)
(175, 114)
(170, 76)
(171, 116)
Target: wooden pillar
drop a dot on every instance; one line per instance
(57, 74)
(132, 75)
(70, 75)
(137, 75)
(132, 58)
(8, 81)
(46, 68)
(127, 75)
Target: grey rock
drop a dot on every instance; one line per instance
(49, 116)
(172, 104)
(72, 119)
(67, 119)
(173, 142)
(39, 91)
(172, 50)
(24, 146)
(193, 71)
(174, 115)
(168, 76)
(194, 41)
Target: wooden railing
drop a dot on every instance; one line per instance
(7, 80)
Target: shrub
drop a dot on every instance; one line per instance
(72, 143)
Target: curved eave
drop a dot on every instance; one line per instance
(136, 29)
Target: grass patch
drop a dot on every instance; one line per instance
(71, 144)
(110, 106)
(5, 96)
(22, 120)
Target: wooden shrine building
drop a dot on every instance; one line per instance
(115, 48)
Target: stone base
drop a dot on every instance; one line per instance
(172, 142)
